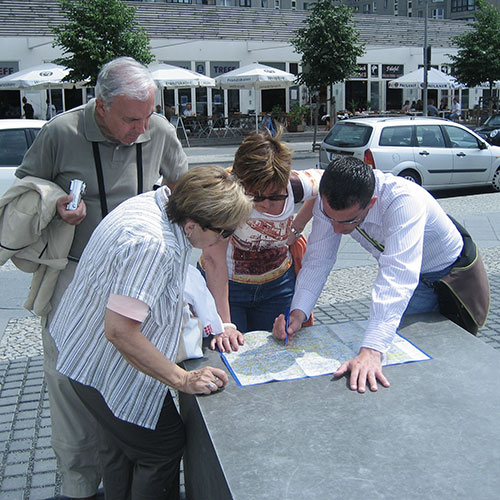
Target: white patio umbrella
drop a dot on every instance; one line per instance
(256, 76)
(42, 76)
(435, 80)
(173, 77)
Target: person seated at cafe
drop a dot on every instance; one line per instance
(159, 109)
(403, 227)
(406, 107)
(188, 111)
(419, 105)
(431, 109)
(443, 105)
(117, 326)
(252, 274)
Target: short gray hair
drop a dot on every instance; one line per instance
(126, 77)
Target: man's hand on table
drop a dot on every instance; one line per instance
(366, 366)
(297, 317)
(228, 341)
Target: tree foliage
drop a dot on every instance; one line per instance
(478, 57)
(329, 45)
(96, 32)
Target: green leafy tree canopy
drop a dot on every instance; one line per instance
(478, 57)
(329, 45)
(96, 32)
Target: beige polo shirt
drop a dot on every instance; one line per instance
(63, 151)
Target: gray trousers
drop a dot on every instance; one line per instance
(74, 429)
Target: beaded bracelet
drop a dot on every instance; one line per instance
(229, 325)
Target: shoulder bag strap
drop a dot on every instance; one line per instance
(297, 188)
(100, 176)
(100, 179)
(140, 179)
(375, 243)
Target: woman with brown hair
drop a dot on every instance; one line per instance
(251, 274)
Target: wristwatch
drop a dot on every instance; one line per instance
(296, 233)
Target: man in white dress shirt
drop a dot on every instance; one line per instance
(403, 227)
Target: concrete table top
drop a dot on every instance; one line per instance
(434, 434)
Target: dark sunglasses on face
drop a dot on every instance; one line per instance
(273, 197)
(223, 233)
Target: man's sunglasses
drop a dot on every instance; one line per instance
(222, 233)
(273, 197)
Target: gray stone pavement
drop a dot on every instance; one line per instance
(27, 465)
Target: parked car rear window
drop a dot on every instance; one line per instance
(13, 145)
(349, 135)
(396, 136)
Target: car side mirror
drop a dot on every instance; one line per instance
(483, 145)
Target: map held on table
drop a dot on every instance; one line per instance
(316, 350)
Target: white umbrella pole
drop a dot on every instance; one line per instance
(256, 114)
(162, 100)
(50, 100)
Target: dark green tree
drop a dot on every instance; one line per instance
(96, 32)
(329, 44)
(478, 57)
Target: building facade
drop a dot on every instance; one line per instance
(213, 39)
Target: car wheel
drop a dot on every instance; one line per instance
(495, 182)
(411, 175)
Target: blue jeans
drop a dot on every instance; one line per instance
(424, 298)
(255, 307)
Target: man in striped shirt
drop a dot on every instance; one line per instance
(403, 227)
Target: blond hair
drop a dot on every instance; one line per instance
(210, 196)
(261, 162)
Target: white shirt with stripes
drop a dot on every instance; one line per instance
(418, 238)
(135, 252)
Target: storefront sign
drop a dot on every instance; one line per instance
(200, 68)
(392, 71)
(8, 67)
(219, 68)
(361, 71)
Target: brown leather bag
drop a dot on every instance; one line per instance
(464, 293)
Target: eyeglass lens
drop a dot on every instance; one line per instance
(274, 197)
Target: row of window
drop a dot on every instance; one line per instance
(368, 8)
(241, 3)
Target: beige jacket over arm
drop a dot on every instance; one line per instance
(34, 237)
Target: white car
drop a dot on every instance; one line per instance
(433, 152)
(16, 136)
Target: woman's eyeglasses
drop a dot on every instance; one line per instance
(273, 197)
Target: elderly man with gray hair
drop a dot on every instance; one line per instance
(118, 147)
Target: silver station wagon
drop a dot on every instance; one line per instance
(432, 152)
